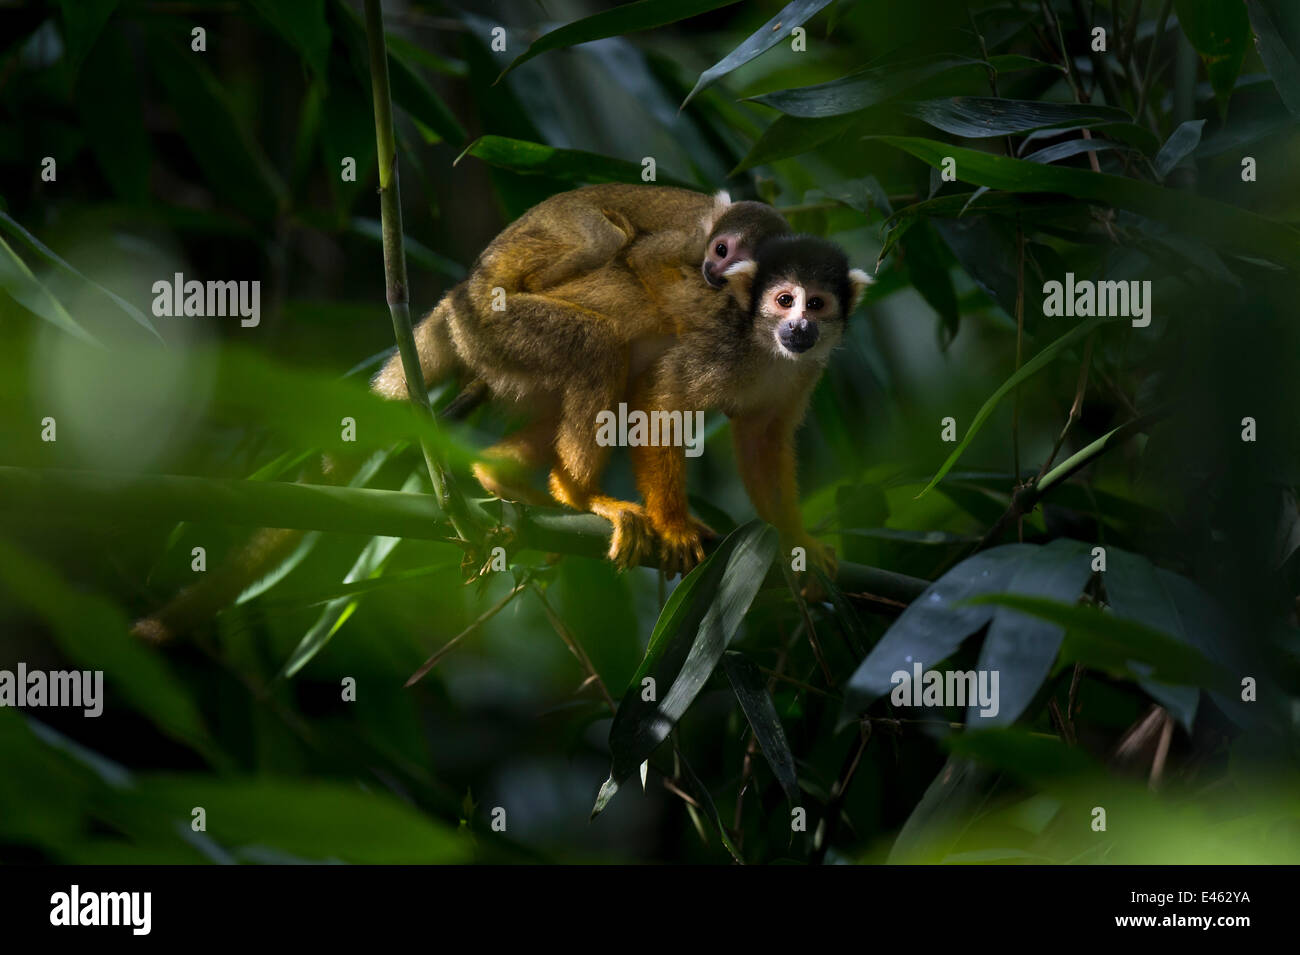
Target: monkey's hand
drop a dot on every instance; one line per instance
(681, 544)
(817, 556)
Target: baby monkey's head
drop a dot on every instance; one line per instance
(799, 291)
(735, 230)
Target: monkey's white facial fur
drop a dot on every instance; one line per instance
(798, 321)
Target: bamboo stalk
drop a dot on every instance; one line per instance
(448, 494)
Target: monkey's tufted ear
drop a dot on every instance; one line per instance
(858, 281)
(740, 280)
(721, 202)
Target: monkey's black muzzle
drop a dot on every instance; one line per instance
(713, 278)
(797, 334)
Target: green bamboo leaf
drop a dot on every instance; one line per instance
(861, 90)
(1180, 144)
(572, 165)
(750, 688)
(233, 164)
(1223, 226)
(1277, 36)
(979, 117)
(623, 19)
(681, 661)
(306, 819)
(1220, 32)
(83, 21)
(108, 98)
(18, 282)
(37, 246)
(410, 91)
(1107, 642)
(1021, 650)
(302, 24)
(774, 31)
(1135, 591)
(95, 635)
(934, 625)
(1026, 371)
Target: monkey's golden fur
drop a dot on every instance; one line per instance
(560, 315)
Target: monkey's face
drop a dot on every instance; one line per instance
(735, 230)
(725, 250)
(798, 319)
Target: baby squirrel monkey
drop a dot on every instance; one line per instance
(563, 310)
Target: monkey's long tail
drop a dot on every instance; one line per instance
(438, 358)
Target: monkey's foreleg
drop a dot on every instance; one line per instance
(765, 457)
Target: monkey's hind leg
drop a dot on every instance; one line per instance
(632, 539)
(505, 467)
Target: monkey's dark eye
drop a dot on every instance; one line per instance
(720, 249)
(785, 300)
(815, 303)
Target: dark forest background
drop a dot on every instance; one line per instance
(1121, 688)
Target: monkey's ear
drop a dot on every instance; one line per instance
(858, 282)
(721, 201)
(740, 280)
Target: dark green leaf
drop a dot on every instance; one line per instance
(1135, 591)
(1277, 36)
(82, 22)
(1107, 642)
(934, 624)
(94, 635)
(302, 24)
(1223, 225)
(1020, 649)
(37, 246)
(978, 117)
(927, 267)
(1220, 32)
(680, 662)
(1181, 142)
(764, 38)
(623, 19)
(858, 91)
(108, 102)
(234, 165)
(572, 165)
(19, 284)
(750, 687)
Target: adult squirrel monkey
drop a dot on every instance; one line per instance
(563, 310)
(755, 354)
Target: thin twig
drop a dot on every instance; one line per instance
(1149, 73)
(487, 615)
(575, 648)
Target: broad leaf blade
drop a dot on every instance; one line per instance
(751, 690)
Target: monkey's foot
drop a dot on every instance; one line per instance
(681, 545)
(632, 540)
